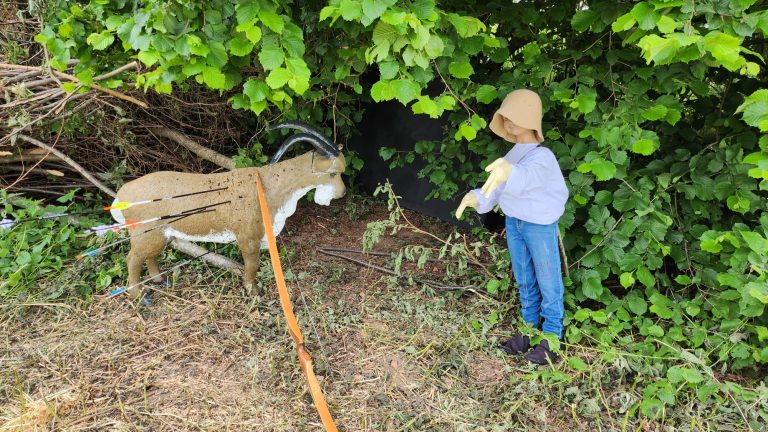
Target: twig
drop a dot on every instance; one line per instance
(430, 283)
(563, 256)
(71, 162)
(383, 254)
(74, 79)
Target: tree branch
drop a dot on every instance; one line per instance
(211, 258)
(70, 162)
(186, 142)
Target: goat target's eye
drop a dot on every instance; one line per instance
(333, 175)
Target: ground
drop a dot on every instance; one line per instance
(390, 356)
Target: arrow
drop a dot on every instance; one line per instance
(122, 205)
(96, 251)
(121, 290)
(119, 205)
(131, 223)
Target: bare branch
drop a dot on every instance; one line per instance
(71, 163)
(186, 142)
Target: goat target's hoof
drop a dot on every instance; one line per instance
(146, 299)
(165, 282)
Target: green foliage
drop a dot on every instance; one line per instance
(654, 109)
(37, 256)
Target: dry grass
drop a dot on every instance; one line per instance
(206, 357)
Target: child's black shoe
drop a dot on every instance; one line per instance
(541, 354)
(517, 345)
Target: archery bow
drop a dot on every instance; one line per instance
(305, 359)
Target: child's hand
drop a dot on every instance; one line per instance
(469, 200)
(500, 170)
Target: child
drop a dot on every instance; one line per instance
(528, 185)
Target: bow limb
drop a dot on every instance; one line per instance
(305, 360)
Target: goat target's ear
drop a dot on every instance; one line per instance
(323, 164)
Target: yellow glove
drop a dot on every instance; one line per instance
(500, 170)
(469, 200)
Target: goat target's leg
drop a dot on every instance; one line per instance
(135, 262)
(251, 251)
(154, 272)
(144, 249)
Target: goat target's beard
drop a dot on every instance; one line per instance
(324, 194)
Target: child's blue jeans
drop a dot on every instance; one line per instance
(535, 256)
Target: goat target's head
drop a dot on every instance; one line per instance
(325, 165)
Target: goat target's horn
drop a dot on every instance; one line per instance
(329, 147)
(290, 141)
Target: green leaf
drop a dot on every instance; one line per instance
(424, 9)
(405, 90)
(586, 101)
(272, 20)
(246, 11)
(434, 47)
(623, 23)
(384, 33)
(256, 90)
(626, 279)
(351, 10)
(677, 374)
(372, 9)
(645, 276)
(583, 19)
(577, 364)
(387, 153)
(461, 69)
(667, 24)
(240, 46)
(427, 106)
(724, 48)
(329, 11)
(592, 288)
(756, 242)
(213, 77)
(486, 94)
(466, 26)
(100, 41)
(278, 78)
(645, 16)
(755, 110)
(656, 112)
(637, 305)
(466, 131)
(644, 147)
(69, 87)
(271, 57)
(388, 70)
(382, 91)
(658, 49)
(603, 169)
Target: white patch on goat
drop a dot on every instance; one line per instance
(117, 215)
(225, 236)
(285, 211)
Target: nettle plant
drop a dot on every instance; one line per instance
(654, 109)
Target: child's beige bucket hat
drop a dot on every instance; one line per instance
(523, 107)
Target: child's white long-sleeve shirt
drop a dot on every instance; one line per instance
(535, 190)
